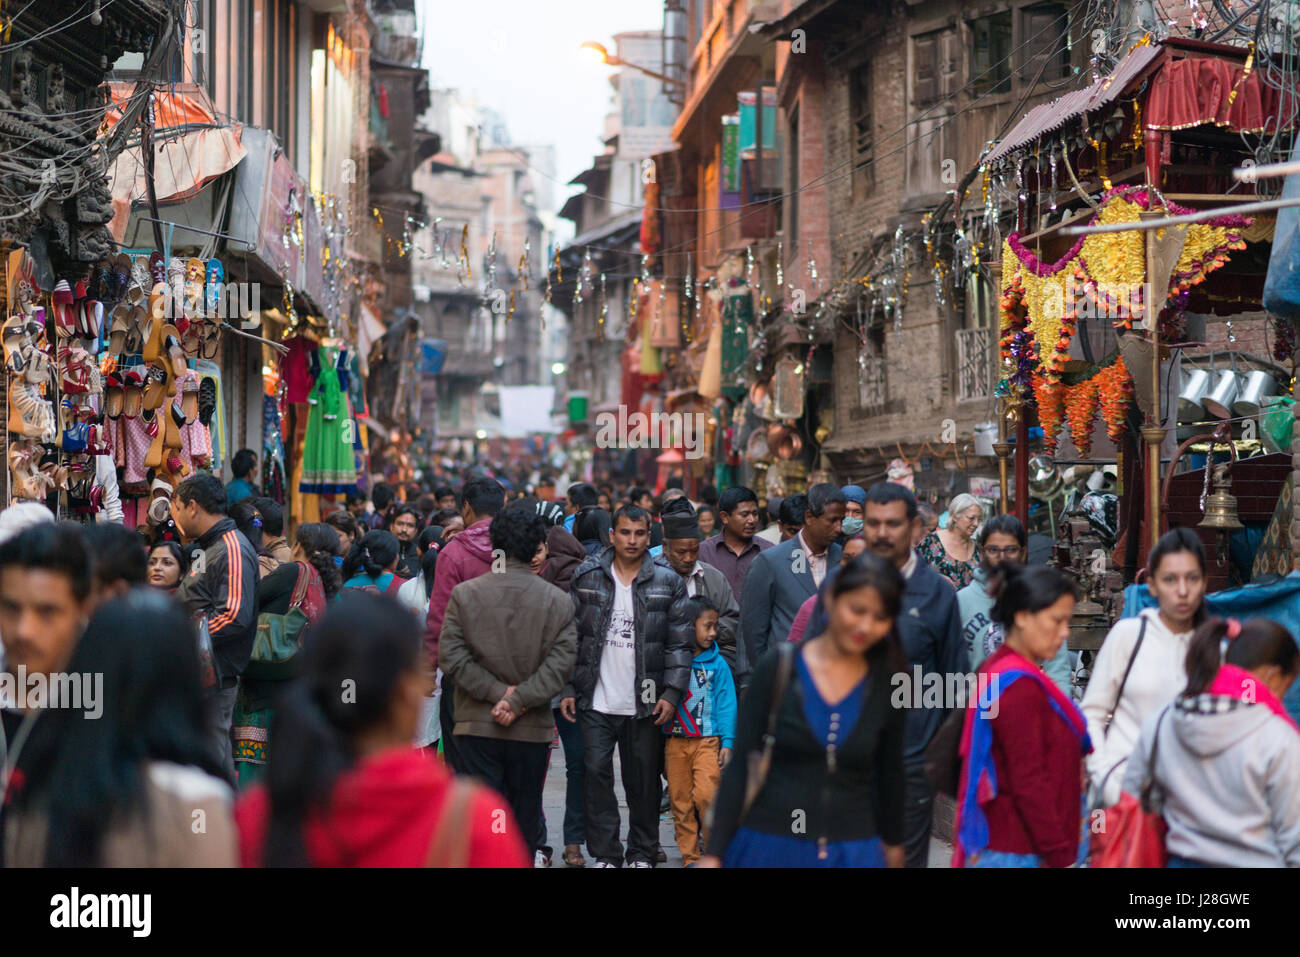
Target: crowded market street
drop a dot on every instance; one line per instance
(684, 434)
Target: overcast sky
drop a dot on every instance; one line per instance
(520, 58)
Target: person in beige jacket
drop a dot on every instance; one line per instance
(139, 785)
(508, 643)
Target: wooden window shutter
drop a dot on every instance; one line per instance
(925, 70)
(1044, 32)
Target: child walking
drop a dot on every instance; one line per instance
(701, 734)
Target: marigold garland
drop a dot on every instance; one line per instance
(1081, 402)
(1114, 393)
(1107, 270)
(1049, 393)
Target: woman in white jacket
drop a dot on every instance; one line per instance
(1140, 666)
(1224, 757)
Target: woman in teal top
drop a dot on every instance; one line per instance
(372, 563)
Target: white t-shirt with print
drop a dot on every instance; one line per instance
(616, 687)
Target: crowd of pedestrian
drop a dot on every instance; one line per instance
(387, 686)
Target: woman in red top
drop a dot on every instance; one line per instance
(1020, 794)
(346, 788)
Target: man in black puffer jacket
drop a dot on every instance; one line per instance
(635, 639)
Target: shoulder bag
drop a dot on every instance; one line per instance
(760, 759)
(1132, 832)
(1100, 788)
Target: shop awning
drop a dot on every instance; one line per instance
(1192, 83)
(191, 148)
(1049, 117)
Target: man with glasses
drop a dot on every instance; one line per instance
(1002, 540)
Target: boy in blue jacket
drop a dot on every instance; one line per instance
(701, 734)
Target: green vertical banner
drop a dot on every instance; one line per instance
(737, 315)
(731, 153)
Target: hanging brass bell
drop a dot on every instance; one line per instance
(1221, 507)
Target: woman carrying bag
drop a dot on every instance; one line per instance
(1224, 758)
(1140, 666)
(1020, 793)
(818, 743)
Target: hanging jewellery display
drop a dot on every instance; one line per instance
(603, 314)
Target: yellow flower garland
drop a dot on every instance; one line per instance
(1107, 266)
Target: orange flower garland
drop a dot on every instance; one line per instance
(1050, 396)
(1081, 401)
(1114, 392)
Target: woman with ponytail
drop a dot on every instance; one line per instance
(289, 599)
(1139, 669)
(1020, 796)
(346, 788)
(372, 563)
(1226, 753)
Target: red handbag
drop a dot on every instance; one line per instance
(1132, 834)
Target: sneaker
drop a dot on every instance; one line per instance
(541, 859)
(602, 864)
(639, 864)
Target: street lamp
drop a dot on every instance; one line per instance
(598, 53)
(557, 368)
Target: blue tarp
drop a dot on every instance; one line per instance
(1279, 601)
(1282, 283)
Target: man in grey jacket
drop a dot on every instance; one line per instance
(682, 554)
(509, 643)
(635, 637)
(784, 577)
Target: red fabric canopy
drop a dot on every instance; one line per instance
(1193, 91)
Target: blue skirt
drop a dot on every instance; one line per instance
(750, 848)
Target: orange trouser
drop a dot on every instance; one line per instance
(691, 765)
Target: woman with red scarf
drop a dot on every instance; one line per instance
(1019, 798)
(345, 787)
(1226, 753)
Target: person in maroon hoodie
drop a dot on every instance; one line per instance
(466, 556)
(1028, 812)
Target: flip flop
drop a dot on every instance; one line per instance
(117, 339)
(172, 440)
(114, 396)
(154, 457)
(172, 346)
(155, 388)
(132, 393)
(151, 334)
(211, 339)
(216, 278)
(190, 398)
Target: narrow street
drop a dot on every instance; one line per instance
(553, 808)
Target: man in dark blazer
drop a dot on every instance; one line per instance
(784, 576)
(929, 627)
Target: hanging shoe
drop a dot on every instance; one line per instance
(207, 400)
(65, 324)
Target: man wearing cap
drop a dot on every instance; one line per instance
(682, 554)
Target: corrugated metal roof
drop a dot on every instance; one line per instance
(1048, 117)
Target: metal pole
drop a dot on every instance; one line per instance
(1152, 432)
(1022, 468)
(1196, 217)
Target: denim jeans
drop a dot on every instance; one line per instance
(575, 780)
(223, 713)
